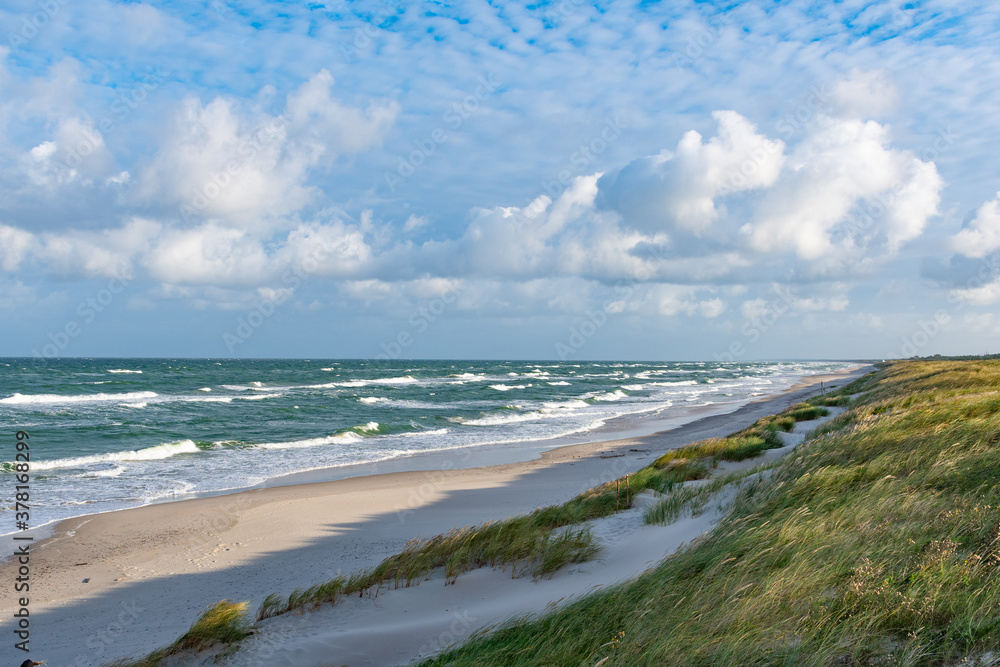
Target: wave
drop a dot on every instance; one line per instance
(370, 426)
(155, 453)
(679, 383)
(615, 395)
(500, 419)
(47, 399)
(439, 431)
(508, 387)
(359, 383)
(560, 383)
(371, 400)
(138, 406)
(205, 389)
(339, 439)
(122, 370)
(574, 404)
(632, 387)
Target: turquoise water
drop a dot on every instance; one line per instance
(114, 433)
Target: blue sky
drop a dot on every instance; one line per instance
(684, 180)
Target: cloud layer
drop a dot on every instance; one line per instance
(683, 163)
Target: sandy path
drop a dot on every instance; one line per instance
(152, 570)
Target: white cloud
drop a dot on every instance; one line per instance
(15, 294)
(677, 190)
(15, 244)
(240, 166)
(864, 94)
(983, 295)
(846, 188)
(982, 236)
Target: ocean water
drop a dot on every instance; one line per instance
(113, 433)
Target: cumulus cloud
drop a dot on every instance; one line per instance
(982, 236)
(846, 188)
(677, 190)
(236, 164)
(76, 154)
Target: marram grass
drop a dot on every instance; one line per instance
(225, 623)
(876, 543)
(539, 543)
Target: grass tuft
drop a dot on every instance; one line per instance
(224, 623)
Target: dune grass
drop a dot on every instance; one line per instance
(545, 540)
(532, 543)
(223, 623)
(527, 545)
(878, 543)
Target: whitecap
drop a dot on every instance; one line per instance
(46, 399)
(154, 453)
(339, 439)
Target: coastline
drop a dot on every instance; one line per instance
(225, 545)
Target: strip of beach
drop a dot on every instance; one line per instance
(122, 583)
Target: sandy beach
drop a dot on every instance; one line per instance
(123, 583)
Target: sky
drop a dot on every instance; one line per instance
(725, 181)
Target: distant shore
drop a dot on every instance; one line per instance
(171, 560)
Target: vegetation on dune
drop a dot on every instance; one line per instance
(877, 543)
(538, 543)
(224, 623)
(528, 545)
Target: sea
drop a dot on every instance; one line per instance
(108, 434)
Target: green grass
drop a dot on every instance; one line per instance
(224, 623)
(877, 543)
(828, 401)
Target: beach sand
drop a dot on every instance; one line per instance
(152, 570)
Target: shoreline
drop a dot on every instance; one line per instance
(177, 557)
(622, 427)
